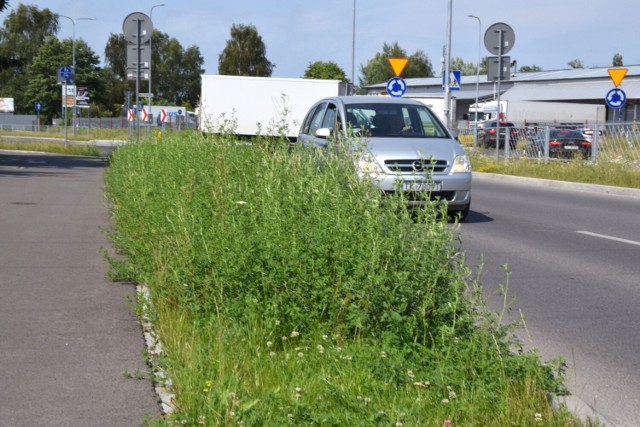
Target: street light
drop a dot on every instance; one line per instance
(475, 129)
(353, 46)
(73, 60)
(150, 65)
(447, 67)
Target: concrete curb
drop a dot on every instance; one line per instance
(572, 403)
(562, 185)
(161, 381)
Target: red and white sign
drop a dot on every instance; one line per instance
(163, 115)
(144, 114)
(130, 114)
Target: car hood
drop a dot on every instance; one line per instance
(414, 148)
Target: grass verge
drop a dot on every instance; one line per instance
(285, 293)
(602, 173)
(52, 147)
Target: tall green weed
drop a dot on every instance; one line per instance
(274, 269)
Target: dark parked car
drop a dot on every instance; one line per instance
(563, 143)
(489, 131)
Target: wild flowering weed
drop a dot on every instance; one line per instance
(276, 276)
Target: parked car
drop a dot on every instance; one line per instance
(489, 130)
(405, 146)
(563, 143)
(587, 133)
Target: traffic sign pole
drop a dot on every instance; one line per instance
(499, 39)
(138, 29)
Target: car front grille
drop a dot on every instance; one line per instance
(416, 165)
(433, 195)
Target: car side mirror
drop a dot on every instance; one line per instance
(454, 134)
(323, 133)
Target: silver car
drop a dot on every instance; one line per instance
(407, 147)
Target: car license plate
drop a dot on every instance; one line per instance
(421, 186)
(570, 147)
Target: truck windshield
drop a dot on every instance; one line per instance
(394, 120)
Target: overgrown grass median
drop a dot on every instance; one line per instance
(576, 170)
(51, 147)
(285, 294)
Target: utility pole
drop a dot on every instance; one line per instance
(447, 71)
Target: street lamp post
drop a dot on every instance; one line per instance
(150, 65)
(475, 129)
(447, 68)
(73, 62)
(353, 47)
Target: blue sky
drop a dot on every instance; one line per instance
(549, 33)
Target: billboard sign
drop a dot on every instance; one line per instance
(68, 95)
(82, 97)
(6, 105)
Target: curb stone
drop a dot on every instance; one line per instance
(162, 383)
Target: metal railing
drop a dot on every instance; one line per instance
(90, 127)
(610, 142)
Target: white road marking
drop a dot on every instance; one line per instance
(603, 236)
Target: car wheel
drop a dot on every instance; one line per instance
(460, 215)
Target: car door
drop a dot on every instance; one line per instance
(311, 123)
(323, 116)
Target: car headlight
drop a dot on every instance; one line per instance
(461, 164)
(367, 165)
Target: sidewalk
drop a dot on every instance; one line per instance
(67, 335)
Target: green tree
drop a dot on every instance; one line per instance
(176, 74)
(617, 60)
(378, 69)
(466, 68)
(115, 54)
(23, 32)
(42, 75)
(530, 68)
(43, 86)
(575, 64)
(3, 5)
(245, 54)
(115, 73)
(325, 70)
(175, 71)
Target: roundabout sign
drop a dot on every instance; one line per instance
(616, 98)
(396, 87)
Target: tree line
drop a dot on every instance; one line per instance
(31, 54)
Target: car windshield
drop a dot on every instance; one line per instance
(566, 134)
(394, 120)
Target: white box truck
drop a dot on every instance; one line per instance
(252, 106)
(538, 112)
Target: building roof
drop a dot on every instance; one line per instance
(569, 90)
(534, 76)
(552, 85)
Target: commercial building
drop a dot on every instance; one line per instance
(585, 85)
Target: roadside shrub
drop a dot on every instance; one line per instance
(239, 229)
(270, 267)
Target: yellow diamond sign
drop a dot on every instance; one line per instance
(617, 74)
(398, 65)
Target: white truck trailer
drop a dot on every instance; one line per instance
(436, 104)
(252, 106)
(538, 112)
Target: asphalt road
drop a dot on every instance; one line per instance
(67, 335)
(574, 259)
